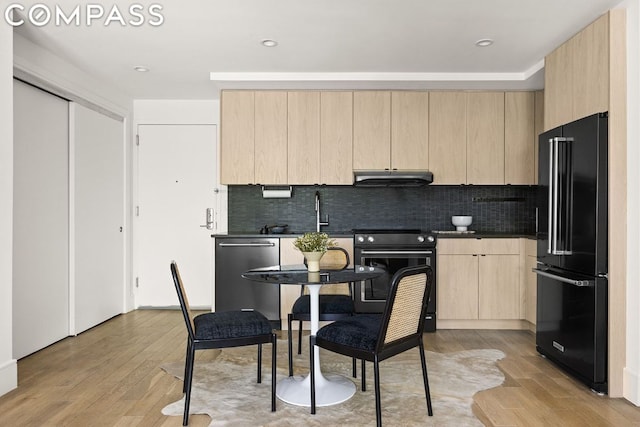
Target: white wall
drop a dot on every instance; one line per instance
(8, 366)
(631, 385)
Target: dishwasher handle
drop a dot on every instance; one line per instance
(246, 245)
(574, 282)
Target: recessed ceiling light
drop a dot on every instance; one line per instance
(269, 43)
(484, 42)
(141, 68)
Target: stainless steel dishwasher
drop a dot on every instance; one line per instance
(236, 255)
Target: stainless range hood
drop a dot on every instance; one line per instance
(392, 178)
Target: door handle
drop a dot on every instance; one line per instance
(209, 219)
(574, 282)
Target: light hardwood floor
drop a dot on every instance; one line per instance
(111, 376)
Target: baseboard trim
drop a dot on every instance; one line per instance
(631, 386)
(8, 376)
(483, 324)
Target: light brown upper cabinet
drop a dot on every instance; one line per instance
(237, 132)
(485, 138)
(270, 137)
(448, 137)
(303, 150)
(336, 138)
(410, 130)
(576, 77)
(371, 130)
(590, 50)
(519, 146)
(538, 128)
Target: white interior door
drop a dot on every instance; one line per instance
(98, 184)
(176, 183)
(40, 219)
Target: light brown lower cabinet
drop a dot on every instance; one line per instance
(478, 279)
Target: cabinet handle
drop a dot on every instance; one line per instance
(245, 245)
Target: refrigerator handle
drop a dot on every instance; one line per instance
(552, 196)
(579, 283)
(554, 202)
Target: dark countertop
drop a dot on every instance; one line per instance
(254, 235)
(485, 235)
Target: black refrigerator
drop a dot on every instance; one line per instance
(571, 327)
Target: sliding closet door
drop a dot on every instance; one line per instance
(40, 219)
(97, 146)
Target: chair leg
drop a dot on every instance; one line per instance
(259, 363)
(274, 340)
(300, 337)
(312, 343)
(364, 376)
(427, 393)
(187, 380)
(376, 381)
(186, 366)
(289, 339)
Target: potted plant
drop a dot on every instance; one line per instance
(313, 245)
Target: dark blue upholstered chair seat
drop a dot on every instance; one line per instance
(230, 324)
(359, 331)
(328, 304)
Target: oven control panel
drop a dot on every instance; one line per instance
(395, 239)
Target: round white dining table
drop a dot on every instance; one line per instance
(331, 389)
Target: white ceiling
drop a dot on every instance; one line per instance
(205, 45)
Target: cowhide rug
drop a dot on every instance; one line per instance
(226, 390)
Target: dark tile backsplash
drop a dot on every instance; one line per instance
(509, 209)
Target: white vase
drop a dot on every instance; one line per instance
(313, 260)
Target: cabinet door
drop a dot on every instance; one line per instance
(457, 279)
(448, 137)
(519, 147)
(485, 138)
(531, 290)
(590, 56)
(499, 287)
(237, 130)
(303, 163)
(371, 130)
(558, 73)
(409, 130)
(538, 123)
(336, 138)
(270, 137)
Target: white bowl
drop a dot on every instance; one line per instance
(461, 222)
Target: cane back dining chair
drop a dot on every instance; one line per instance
(222, 330)
(376, 338)
(335, 301)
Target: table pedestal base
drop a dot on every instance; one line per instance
(330, 390)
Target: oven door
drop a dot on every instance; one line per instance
(371, 295)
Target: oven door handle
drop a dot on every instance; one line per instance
(396, 252)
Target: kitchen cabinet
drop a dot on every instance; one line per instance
(391, 130)
(371, 130)
(531, 281)
(485, 138)
(237, 132)
(290, 255)
(303, 148)
(538, 128)
(270, 137)
(520, 145)
(577, 76)
(478, 279)
(448, 137)
(336, 138)
(410, 130)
